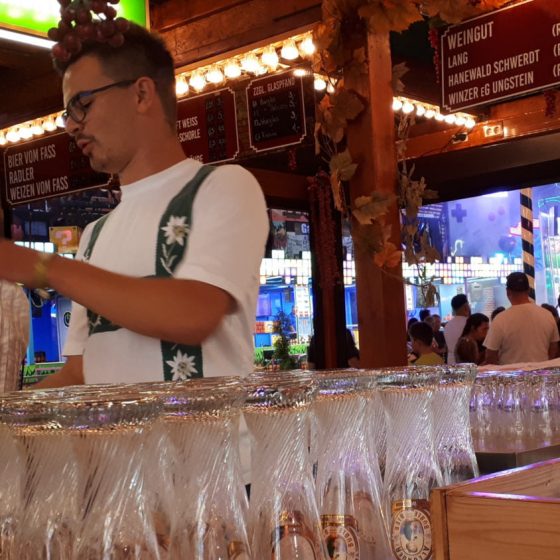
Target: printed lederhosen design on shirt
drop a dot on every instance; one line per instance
(179, 361)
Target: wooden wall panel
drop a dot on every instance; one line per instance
(197, 30)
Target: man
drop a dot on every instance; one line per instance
(166, 286)
(523, 333)
(439, 340)
(454, 328)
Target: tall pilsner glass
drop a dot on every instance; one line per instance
(412, 469)
(348, 480)
(284, 519)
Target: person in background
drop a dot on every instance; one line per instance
(523, 333)
(454, 328)
(422, 336)
(352, 352)
(424, 314)
(410, 322)
(496, 311)
(438, 343)
(554, 312)
(469, 347)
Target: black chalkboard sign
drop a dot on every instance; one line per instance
(276, 111)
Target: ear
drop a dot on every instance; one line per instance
(146, 94)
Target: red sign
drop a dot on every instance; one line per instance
(506, 53)
(276, 111)
(47, 167)
(207, 126)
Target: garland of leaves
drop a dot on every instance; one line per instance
(341, 54)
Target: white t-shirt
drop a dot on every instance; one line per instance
(225, 248)
(452, 333)
(522, 333)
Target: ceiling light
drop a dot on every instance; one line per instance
(232, 69)
(197, 81)
(250, 63)
(181, 85)
(270, 57)
(289, 50)
(215, 75)
(319, 84)
(26, 39)
(307, 47)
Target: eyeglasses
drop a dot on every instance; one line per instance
(77, 110)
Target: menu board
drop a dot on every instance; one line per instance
(207, 126)
(276, 111)
(47, 167)
(507, 53)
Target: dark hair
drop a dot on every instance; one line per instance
(517, 282)
(423, 314)
(552, 309)
(497, 311)
(423, 332)
(473, 322)
(458, 301)
(142, 54)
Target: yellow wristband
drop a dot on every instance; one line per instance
(41, 269)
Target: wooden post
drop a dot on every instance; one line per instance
(371, 140)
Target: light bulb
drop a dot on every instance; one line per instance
(232, 69)
(407, 108)
(450, 119)
(300, 72)
(13, 136)
(215, 75)
(420, 110)
(439, 117)
(270, 58)
(181, 85)
(307, 47)
(197, 81)
(25, 132)
(250, 63)
(319, 84)
(330, 89)
(37, 129)
(460, 121)
(59, 122)
(289, 50)
(49, 124)
(470, 123)
(3, 140)
(397, 104)
(429, 114)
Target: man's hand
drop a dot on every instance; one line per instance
(71, 373)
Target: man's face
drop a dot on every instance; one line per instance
(105, 134)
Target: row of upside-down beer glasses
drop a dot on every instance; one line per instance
(152, 471)
(515, 409)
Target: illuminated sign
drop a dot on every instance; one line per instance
(38, 16)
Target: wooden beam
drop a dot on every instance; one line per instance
(286, 187)
(371, 140)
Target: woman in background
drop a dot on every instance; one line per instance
(469, 347)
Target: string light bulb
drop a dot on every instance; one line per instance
(397, 104)
(407, 108)
(3, 140)
(181, 85)
(232, 69)
(270, 58)
(197, 81)
(250, 63)
(300, 72)
(13, 136)
(25, 132)
(49, 124)
(307, 47)
(59, 122)
(289, 50)
(37, 129)
(215, 75)
(319, 84)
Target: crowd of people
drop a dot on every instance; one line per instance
(525, 332)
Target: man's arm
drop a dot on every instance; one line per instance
(491, 356)
(70, 374)
(181, 311)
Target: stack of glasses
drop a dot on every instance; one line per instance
(152, 471)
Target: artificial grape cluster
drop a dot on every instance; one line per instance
(86, 20)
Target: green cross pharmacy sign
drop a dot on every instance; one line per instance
(36, 17)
